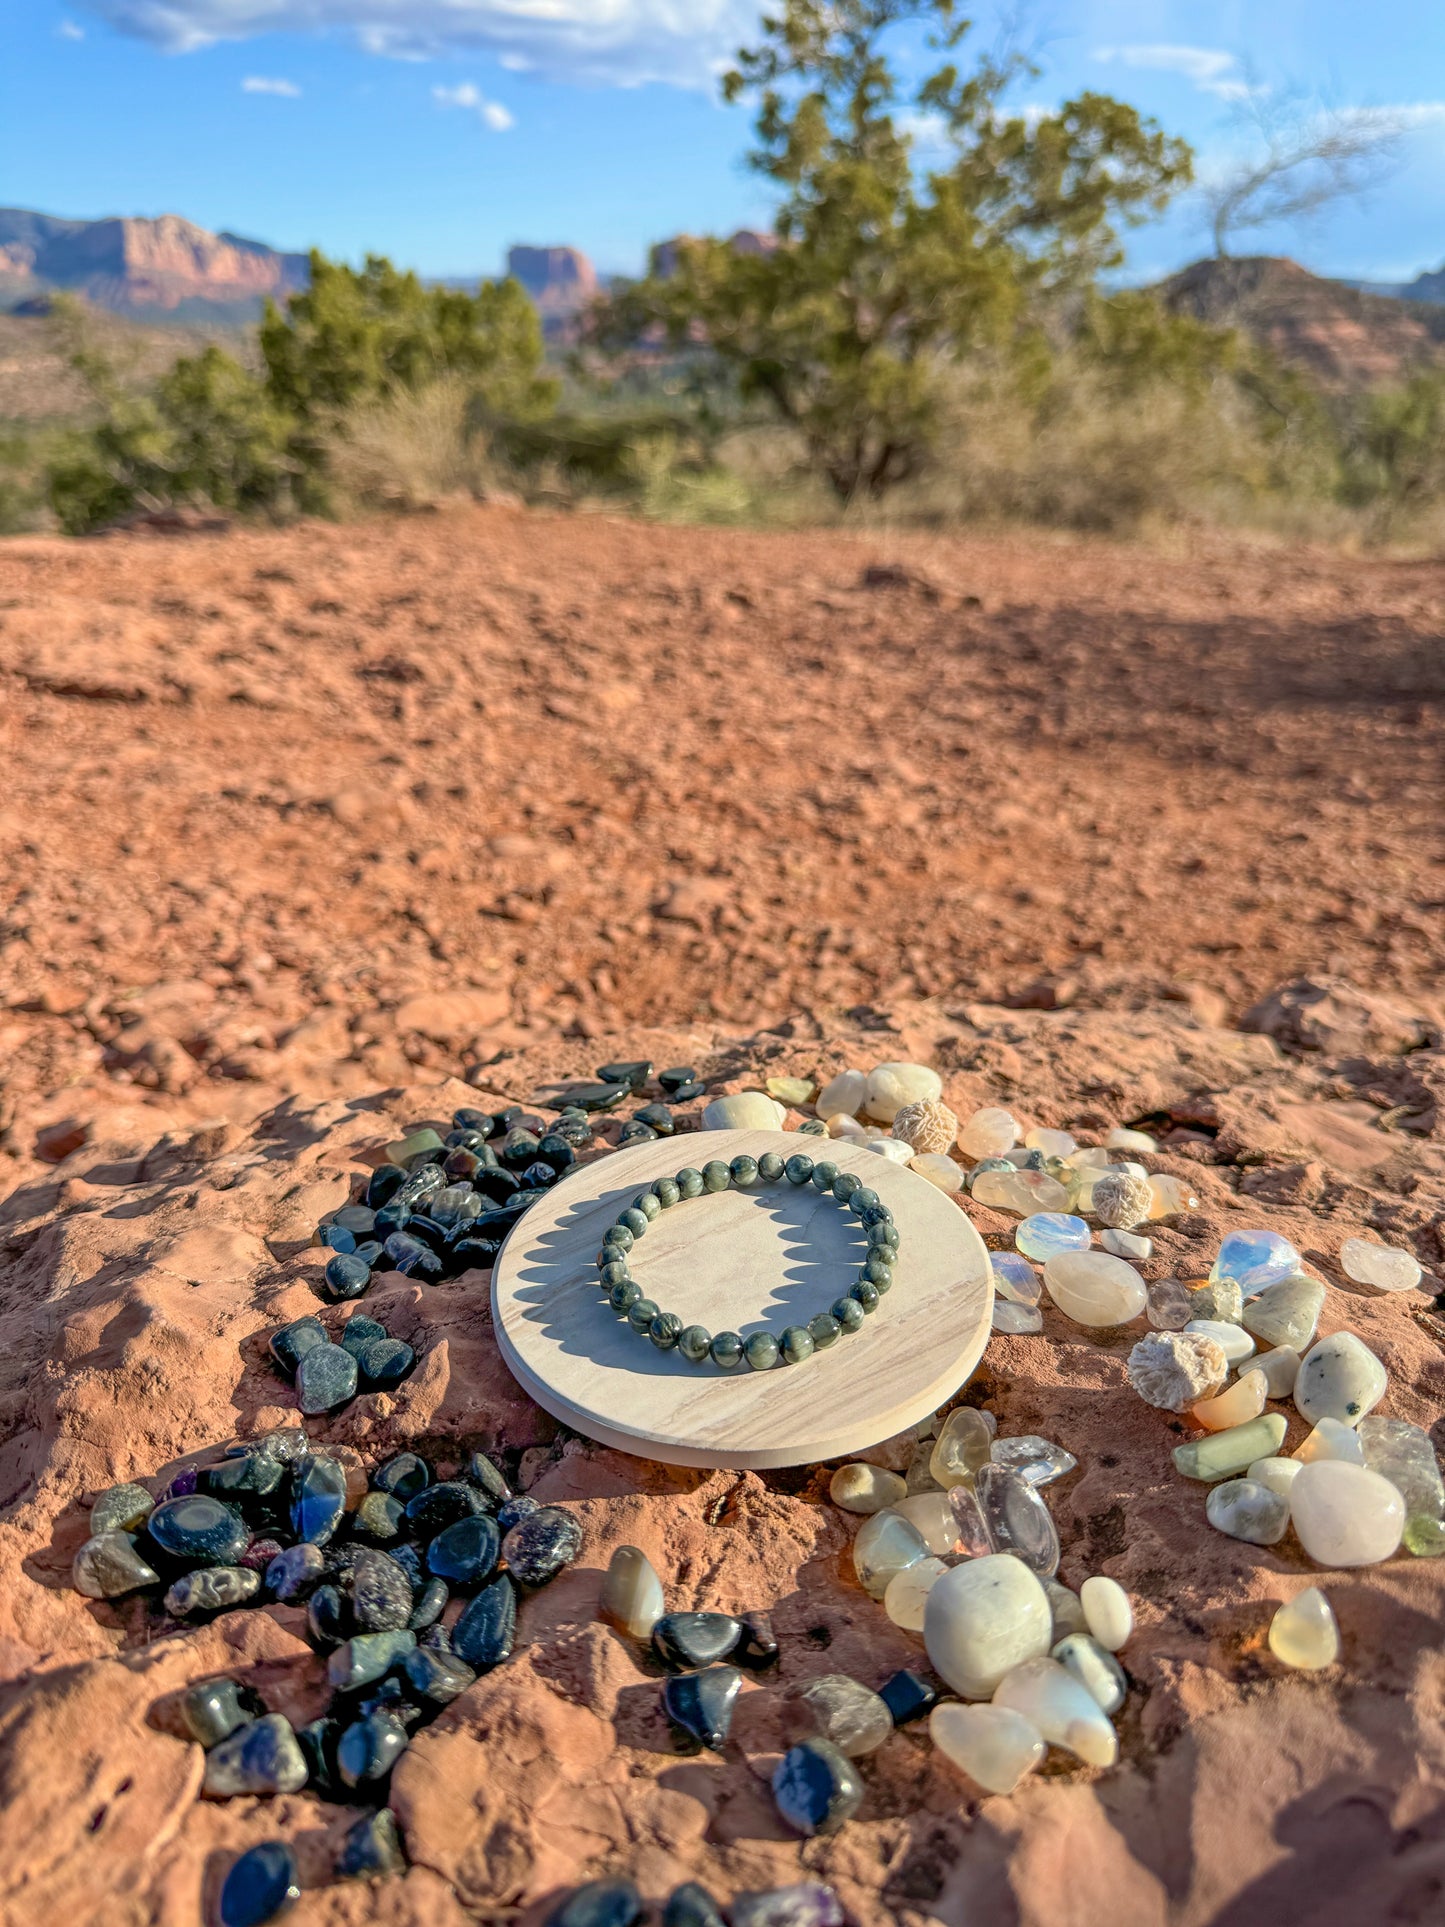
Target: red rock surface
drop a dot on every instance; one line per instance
(297, 823)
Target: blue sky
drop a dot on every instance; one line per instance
(440, 131)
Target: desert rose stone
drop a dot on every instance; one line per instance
(993, 1745)
(1345, 1515)
(982, 1619)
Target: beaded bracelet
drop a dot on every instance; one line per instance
(761, 1350)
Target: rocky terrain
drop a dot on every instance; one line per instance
(310, 836)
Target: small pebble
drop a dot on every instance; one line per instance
(1095, 1668)
(839, 1709)
(689, 1640)
(122, 1508)
(212, 1709)
(1064, 1711)
(1304, 1633)
(108, 1566)
(691, 1905)
(1385, 1267)
(1107, 1611)
(631, 1598)
(807, 1905)
(1345, 1515)
(260, 1884)
(372, 1848)
(601, 1903)
(213, 1589)
(325, 1379)
(816, 1788)
(1246, 1509)
(487, 1630)
(1339, 1378)
(260, 1757)
(700, 1704)
(996, 1747)
(1126, 1244)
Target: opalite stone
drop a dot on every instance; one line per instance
(843, 1093)
(1332, 1439)
(1345, 1515)
(1120, 1199)
(1038, 1460)
(701, 1704)
(964, 1443)
(1278, 1474)
(744, 1111)
(1255, 1260)
(1286, 1313)
(1303, 1633)
(1065, 1712)
(631, 1596)
(1244, 1400)
(1232, 1340)
(973, 1536)
(1120, 1139)
(1125, 1244)
(1403, 1454)
(995, 1746)
(892, 1148)
(988, 1133)
(939, 1170)
(932, 1514)
(886, 1543)
(1107, 1611)
(1017, 1519)
(865, 1488)
(927, 1127)
(1094, 1289)
(1223, 1455)
(1015, 1279)
(1015, 1320)
(908, 1591)
(1171, 1196)
(982, 1619)
(816, 1788)
(1171, 1304)
(1245, 1509)
(1341, 1378)
(1095, 1668)
(836, 1708)
(108, 1566)
(1053, 1144)
(1173, 1371)
(260, 1884)
(1280, 1368)
(1385, 1267)
(1047, 1233)
(1023, 1192)
(891, 1086)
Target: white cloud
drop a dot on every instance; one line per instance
(619, 42)
(1210, 69)
(490, 112)
(259, 84)
(69, 31)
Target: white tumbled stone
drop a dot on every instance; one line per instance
(1344, 1515)
(891, 1086)
(1278, 1474)
(933, 1516)
(844, 1124)
(1095, 1289)
(1248, 1509)
(1024, 1192)
(1304, 1632)
(1232, 1340)
(1065, 1712)
(866, 1488)
(1171, 1196)
(886, 1543)
(1095, 1668)
(744, 1111)
(907, 1593)
(939, 1170)
(996, 1747)
(1107, 1611)
(988, 1133)
(892, 1148)
(1332, 1439)
(845, 1092)
(1385, 1267)
(1120, 1139)
(1280, 1368)
(1341, 1378)
(1053, 1144)
(1126, 1244)
(984, 1618)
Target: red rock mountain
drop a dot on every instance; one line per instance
(560, 280)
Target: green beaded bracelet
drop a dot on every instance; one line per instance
(761, 1350)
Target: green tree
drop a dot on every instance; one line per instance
(885, 270)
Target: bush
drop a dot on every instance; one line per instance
(408, 448)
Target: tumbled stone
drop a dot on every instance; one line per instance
(891, 1148)
(994, 1745)
(260, 1757)
(372, 1848)
(464, 1554)
(1170, 1196)
(691, 1905)
(380, 1516)
(1243, 1400)
(836, 1708)
(1332, 1439)
(1171, 1304)
(885, 1544)
(1015, 1320)
(1345, 1515)
(988, 1133)
(891, 1087)
(366, 1657)
(383, 1364)
(806, 1905)
(437, 1678)
(294, 1570)
(291, 1344)
(381, 1591)
(816, 1788)
(865, 1489)
(982, 1618)
(325, 1379)
(968, 1520)
(1015, 1280)
(1232, 1340)
(1403, 1454)
(700, 1704)
(108, 1566)
(1038, 1460)
(1108, 1611)
(1064, 1711)
(404, 1476)
(1047, 1233)
(1221, 1303)
(199, 1530)
(1067, 1610)
(940, 1171)
(1223, 1455)
(431, 1603)
(212, 1589)
(368, 1749)
(1304, 1633)
(601, 1903)
(842, 1095)
(964, 1443)
(212, 1709)
(1249, 1510)
(545, 1541)
(744, 1111)
(487, 1630)
(1095, 1668)
(1386, 1267)
(1121, 1200)
(318, 1498)
(436, 1507)
(907, 1593)
(1174, 1370)
(260, 1884)
(907, 1696)
(1094, 1289)
(1022, 1192)
(1287, 1313)
(933, 1515)
(122, 1508)
(631, 1596)
(1339, 1378)
(1124, 1244)
(690, 1640)
(1255, 1260)
(1017, 1519)
(1280, 1368)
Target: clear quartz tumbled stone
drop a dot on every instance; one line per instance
(1304, 1633)
(1385, 1267)
(1038, 1460)
(886, 1543)
(963, 1445)
(1017, 1519)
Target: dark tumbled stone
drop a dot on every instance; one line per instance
(294, 1570)
(381, 1598)
(260, 1884)
(497, 1186)
(371, 1848)
(465, 1554)
(816, 1788)
(325, 1378)
(517, 1508)
(600, 1097)
(384, 1363)
(328, 1614)
(212, 1709)
(657, 1117)
(121, 1508)
(404, 1476)
(318, 1498)
(691, 1905)
(318, 1747)
(409, 1558)
(437, 1677)
(601, 1903)
(259, 1554)
(383, 1184)
(684, 1640)
(701, 1704)
(430, 1605)
(487, 1630)
(358, 1332)
(368, 1749)
(211, 1589)
(199, 1531)
(554, 1149)
(248, 1478)
(483, 1474)
(634, 1132)
(687, 1093)
(758, 1647)
(469, 1119)
(678, 1074)
(366, 1657)
(519, 1149)
(380, 1515)
(112, 1564)
(440, 1506)
(290, 1345)
(907, 1697)
(412, 1258)
(346, 1275)
(634, 1072)
(537, 1549)
(260, 1757)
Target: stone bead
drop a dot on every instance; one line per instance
(695, 1343)
(744, 1111)
(982, 1619)
(1017, 1519)
(1047, 1233)
(892, 1087)
(1287, 1313)
(727, 1351)
(1065, 1712)
(1173, 1370)
(964, 1444)
(996, 1747)
(816, 1788)
(1340, 1378)
(1095, 1668)
(825, 1175)
(1121, 1200)
(212, 1589)
(1385, 1267)
(843, 1094)
(701, 1704)
(1124, 1244)
(631, 1596)
(716, 1175)
(665, 1330)
(1245, 1399)
(932, 1514)
(689, 1182)
(1344, 1515)
(907, 1593)
(259, 1884)
(1022, 1192)
(865, 1489)
(1245, 1509)
(260, 1757)
(122, 1508)
(824, 1330)
(640, 1314)
(1403, 1454)
(988, 1133)
(1038, 1460)
(624, 1294)
(1014, 1278)
(808, 1904)
(1170, 1196)
(1304, 1633)
(839, 1709)
(929, 1128)
(795, 1344)
(885, 1544)
(1280, 1368)
(1094, 1289)
(1223, 1455)
(1331, 1439)
(108, 1566)
(1232, 1340)
(1277, 1474)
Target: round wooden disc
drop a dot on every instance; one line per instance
(735, 1261)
